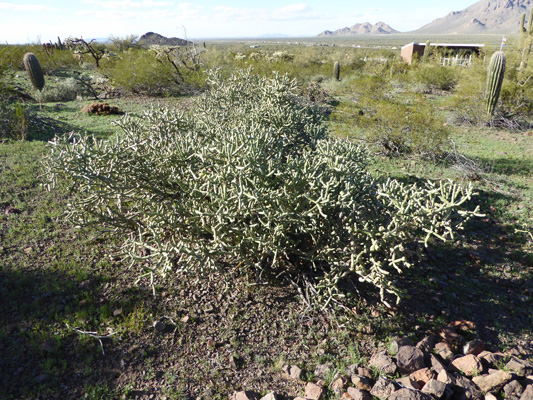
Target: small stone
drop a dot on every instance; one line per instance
(436, 364)
(468, 365)
(519, 367)
(397, 342)
(435, 388)
(270, 396)
(445, 376)
(364, 372)
(383, 363)
(322, 371)
(473, 347)
(493, 381)
(528, 393)
(41, 378)
(443, 346)
(117, 312)
(465, 386)
(246, 395)
(513, 388)
(492, 359)
(490, 396)
(295, 373)
(426, 344)
(159, 326)
(361, 382)
(351, 369)
(339, 386)
(410, 359)
(422, 376)
(358, 394)
(408, 382)
(313, 391)
(409, 394)
(383, 388)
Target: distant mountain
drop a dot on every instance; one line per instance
(485, 16)
(151, 38)
(361, 29)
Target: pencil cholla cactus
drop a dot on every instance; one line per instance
(250, 177)
(33, 68)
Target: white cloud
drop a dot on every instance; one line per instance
(25, 7)
(129, 4)
(293, 11)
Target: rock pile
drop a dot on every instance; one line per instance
(436, 368)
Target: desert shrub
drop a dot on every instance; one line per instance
(435, 76)
(14, 120)
(63, 90)
(250, 178)
(138, 71)
(401, 126)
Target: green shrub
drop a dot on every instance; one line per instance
(14, 121)
(138, 71)
(64, 90)
(251, 178)
(435, 76)
(400, 127)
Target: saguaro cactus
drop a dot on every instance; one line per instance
(337, 71)
(33, 68)
(494, 80)
(527, 35)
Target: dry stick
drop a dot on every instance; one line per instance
(93, 335)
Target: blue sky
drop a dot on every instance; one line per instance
(27, 21)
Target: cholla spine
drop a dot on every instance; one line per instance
(494, 80)
(337, 71)
(33, 68)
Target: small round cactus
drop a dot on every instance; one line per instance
(494, 80)
(33, 68)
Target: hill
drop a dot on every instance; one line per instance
(361, 29)
(485, 16)
(151, 38)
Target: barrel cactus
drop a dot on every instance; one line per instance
(494, 80)
(33, 68)
(337, 71)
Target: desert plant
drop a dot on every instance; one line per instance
(495, 76)
(337, 71)
(527, 38)
(13, 121)
(251, 178)
(33, 68)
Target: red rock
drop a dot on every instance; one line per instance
(313, 391)
(468, 365)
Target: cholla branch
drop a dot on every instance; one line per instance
(94, 335)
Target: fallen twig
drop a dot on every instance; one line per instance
(93, 335)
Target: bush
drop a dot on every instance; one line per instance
(435, 76)
(400, 127)
(64, 90)
(14, 121)
(138, 71)
(251, 178)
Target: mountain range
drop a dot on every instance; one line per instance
(485, 16)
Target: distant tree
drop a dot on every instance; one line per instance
(125, 43)
(79, 47)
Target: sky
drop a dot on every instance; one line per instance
(35, 21)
